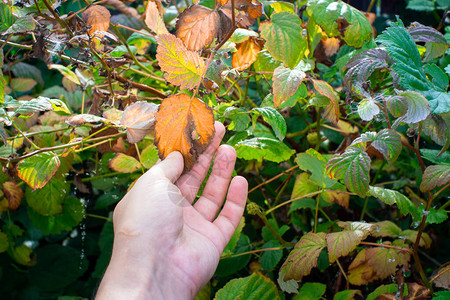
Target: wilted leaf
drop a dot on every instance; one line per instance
(304, 256)
(78, 120)
(385, 261)
(139, 119)
(22, 25)
(386, 228)
(359, 271)
(153, 18)
(13, 193)
(284, 38)
(255, 286)
(275, 120)
(263, 148)
(183, 124)
(387, 142)
(339, 19)
(198, 26)
(98, 18)
(285, 83)
(246, 53)
(353, 167)
(390, 197)
(368, 109)
(422, 33)
(443, 280)
(183, 67)
(246, 11)
(124, 163)
(331, 112)
(27, 108)
(66, 72)
(435, 176)
(37, 170)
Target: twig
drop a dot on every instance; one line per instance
(273, 178)
(139, 86)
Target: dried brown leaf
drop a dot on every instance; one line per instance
(153, 18)
(13, 193)
(185, 125)
(98, 18)
(139, 119)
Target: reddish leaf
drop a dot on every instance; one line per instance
(435, 176)
(411, 235)
(153, 18)
(246, 53)
(184, 68)
(332, 110)
(342, 243)
(13, 193)
(183, 124)
(98, 18)
(304, 257)
(246, 11)
(286, 83)
(442, 278)
(139, 119)
(197, 26)
(384, 261)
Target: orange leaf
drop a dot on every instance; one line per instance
(153, 18)
(331, 112)
(246, 53)
(222, 2)
(13, 193)
(98, 18)
(139, 119)
(197, 26)
(331, 46)
(246, 11)
(184, 68)
(183, 124)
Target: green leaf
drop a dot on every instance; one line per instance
(23, 255)
(119, 51)
(263, 148)
(420, 5)
(432, 156)
(205, 292)
(22, 84)
(275, 120)
(48, 200)
(235, 238)
(22, 25)
(239, 118)
(368, 109)
(441, 295)
(339, 19)
(149, 156)
(288, 286)
(342, 243)
(255, 286)
(386, 228)
(270, 259)
(387, 142)
(353, 167)
(315, 163)
(302, 186)
(7, 19)
(229, 266)
(138, 37)
(66, 72)
(284, 40)
(124, 163)
(304, 256)
(72, 214)
(41, 104)
(37, 170)
(286, 83)
(436, 216)
(4, 243)
(24, 70)
(348, 295)
(265, 63)
(385, 289)
(417, 108)
(393, 197)
(105, 243)
(57, 267)
(435, 176)
(240, 35)
(283, 6)
(311, 291)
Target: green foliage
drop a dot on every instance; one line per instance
(343, 138)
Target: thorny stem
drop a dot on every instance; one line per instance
(273, 178)
(139, 86)
(39, 132)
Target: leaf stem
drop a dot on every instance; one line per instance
(273, 178)
(343, 273)
(292, 200)
(98, 217)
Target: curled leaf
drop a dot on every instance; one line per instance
(153, 18)
(185, 125)
(139, 119)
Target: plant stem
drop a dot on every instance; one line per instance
(343, 272)
(100, 176)
(386, 246)
(366, 201)
(292, 200)
(271, 229)
(98, 217)
(273, 178)
(316, 217)
(252, 252)
(57, 18)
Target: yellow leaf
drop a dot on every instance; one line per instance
(124, 163)
(246, 53)
(185, 125)
(183, 67)
(153, 18)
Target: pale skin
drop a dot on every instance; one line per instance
(166, 247)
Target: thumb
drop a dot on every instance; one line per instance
(171, 167)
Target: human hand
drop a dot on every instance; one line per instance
(166, 247)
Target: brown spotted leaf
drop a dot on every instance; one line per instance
(304, 256)
(98, 18)
(153, 18)
(197, 26)
(246, 53)
(183, 67)
(13, 193)
(185, 125)
(139, 119)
